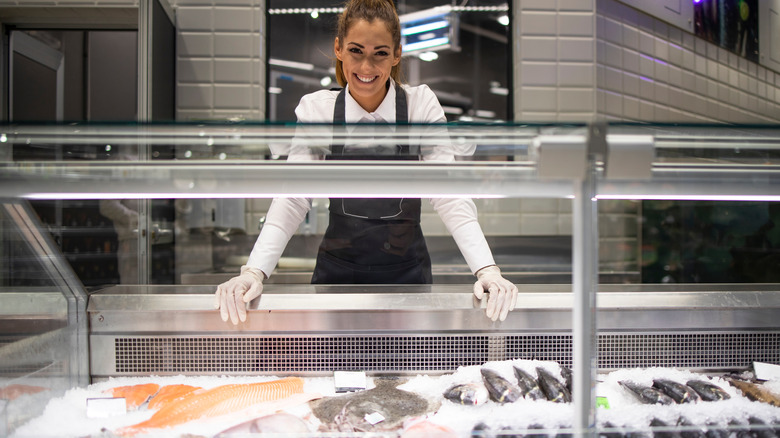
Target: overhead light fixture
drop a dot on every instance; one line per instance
(274, 90)
(504, 19)
(501, 91)
(314, 14)
(428, 56)
(291, 64)
(326, 81)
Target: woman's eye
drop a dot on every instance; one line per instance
(382, 53)
(355, 50)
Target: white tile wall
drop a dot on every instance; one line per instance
(221, 59)
(555, 60)
(681, 78)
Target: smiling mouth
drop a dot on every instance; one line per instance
(366, 79)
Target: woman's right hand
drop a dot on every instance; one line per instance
(233, 295)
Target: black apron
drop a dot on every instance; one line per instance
(373, 240)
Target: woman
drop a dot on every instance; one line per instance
(377, 241)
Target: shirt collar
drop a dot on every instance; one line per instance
(385, 113)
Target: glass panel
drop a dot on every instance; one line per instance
(37, 336)
(470, 74)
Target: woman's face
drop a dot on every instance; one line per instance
(367, 58)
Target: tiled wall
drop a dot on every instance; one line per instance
(651, 71)
(555, 53)
(221, 59)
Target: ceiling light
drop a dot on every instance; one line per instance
(428, 56)
(326, 81)
(291, 64)
(504, 19)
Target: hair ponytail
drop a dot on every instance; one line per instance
(369, 10)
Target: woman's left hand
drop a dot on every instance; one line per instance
(502, 293)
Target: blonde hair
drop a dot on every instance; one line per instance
(369, 10)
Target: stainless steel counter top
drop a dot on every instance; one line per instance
(432, 308)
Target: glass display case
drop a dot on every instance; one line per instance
(579, 216)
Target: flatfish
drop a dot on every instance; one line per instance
(646, 394)
(708, 391)
(677, 391)
(347, 413)
(552, 388)
(500, 389)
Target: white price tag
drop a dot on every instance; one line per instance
(106, 407)
(348, 381)
(766, 371)
(374, 418)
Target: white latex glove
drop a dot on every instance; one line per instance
(233, 295)
(502, 294)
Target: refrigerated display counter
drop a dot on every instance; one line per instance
(60, 336)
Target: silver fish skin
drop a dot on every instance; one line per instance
(467, 394)
(500, 389)
(677, 391)
(646, 394)
(552, 388)
(529, 387)
(708, 391)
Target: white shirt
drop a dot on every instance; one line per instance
(285, 214)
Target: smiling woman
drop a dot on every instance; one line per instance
(369, 240)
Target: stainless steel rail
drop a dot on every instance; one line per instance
(307, 329)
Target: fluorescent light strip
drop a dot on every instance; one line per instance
(424, 27)
(426, 44)
(291, 64)
(649, 197)
(70, 196)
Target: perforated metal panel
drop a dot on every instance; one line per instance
(404, 354)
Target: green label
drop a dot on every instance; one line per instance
(602, 402)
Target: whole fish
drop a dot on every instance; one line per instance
(760, 429)
(663, 430)
(755, 392)
(529, 387)
(677, 391)
(275, 423)
(467, 394)
(646, 394)
(608, 430)
(714, 430)
(739, 430)
(347, 413)
(690, 430)
(216, 401)
(553, 389)
(568, 377)
(499, 388)
(707, 391)
(481, 430)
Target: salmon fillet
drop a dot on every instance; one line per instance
(169, 393)
(134, 395)
(216, 401)
(15, 390)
